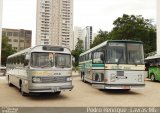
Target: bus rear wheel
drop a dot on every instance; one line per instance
(83, 79)
(9, 82)
(152, 77)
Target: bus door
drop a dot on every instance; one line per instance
(98, 68)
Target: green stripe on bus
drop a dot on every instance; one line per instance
(97, 65)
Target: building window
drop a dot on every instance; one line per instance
(28, 41)
(3, 33)
(15, 40)
(15, 48)
(46, 42)
(15, 34)
(9, 33)
(28, 34)
(21, 40)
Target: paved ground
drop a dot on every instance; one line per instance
(83, 95)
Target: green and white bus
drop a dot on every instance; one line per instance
(43, 68)
(153, 67)
(114, 64)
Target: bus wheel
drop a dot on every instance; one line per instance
(152, 77)
(83, 80)
(22, 92)
(82, 76)
(9, 82)
(57, 93)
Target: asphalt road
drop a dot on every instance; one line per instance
(83, 95)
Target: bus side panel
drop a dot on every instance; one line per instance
(88, 71)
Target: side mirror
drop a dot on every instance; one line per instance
(73, 60)
(27, 57)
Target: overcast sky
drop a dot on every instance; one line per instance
(21, 14)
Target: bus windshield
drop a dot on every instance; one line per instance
(63, 60)
(42, 59)
(125, 53)
(135, 53)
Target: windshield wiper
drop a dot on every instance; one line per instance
(119, 59)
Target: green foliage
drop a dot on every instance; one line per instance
(6, 50)
(101, 37)
(78, 50)
(135, 28)
(130, 27)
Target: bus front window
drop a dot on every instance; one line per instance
(63, 60)
(42, 60)
(135, 54)
(116, 53)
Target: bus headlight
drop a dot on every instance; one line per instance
(69, 79)
(139, 78)
(36, 80)
(113, 77)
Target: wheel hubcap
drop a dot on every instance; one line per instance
(152, 77)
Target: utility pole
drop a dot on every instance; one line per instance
(158, 27)
(1, 7)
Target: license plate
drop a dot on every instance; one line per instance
(120, 73)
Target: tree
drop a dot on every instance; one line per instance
(135, 28)
(6, 50)
(101, 37)
(78, 50)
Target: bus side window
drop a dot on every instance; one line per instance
(97, 57)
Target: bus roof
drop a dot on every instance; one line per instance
(156, 56)
(105, 43)
(20, 52)
(35, 47)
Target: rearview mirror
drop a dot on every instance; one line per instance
(27, 57)
(73, 60)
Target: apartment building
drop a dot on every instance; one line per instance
(78, 33)
(55, 22)
(1, 7)
(88, 32)
(85, 34)
(19, 39)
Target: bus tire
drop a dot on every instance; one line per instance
(57, 93)
(152, 77)
(81, 76)
(83, 80)
(21, 90)
(9, 82)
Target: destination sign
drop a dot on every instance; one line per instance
(53, 48)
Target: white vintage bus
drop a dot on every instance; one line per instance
(43, 68)
(115, 64)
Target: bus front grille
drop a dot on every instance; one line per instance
(53, 79)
